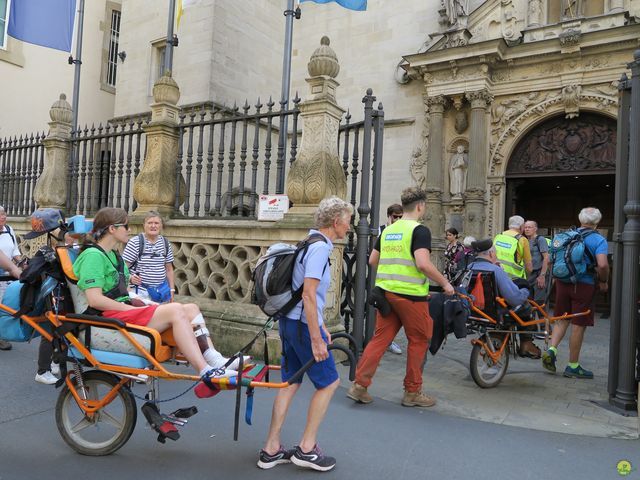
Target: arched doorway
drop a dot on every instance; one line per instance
(561, 166)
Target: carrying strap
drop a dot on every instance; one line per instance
(120, 290)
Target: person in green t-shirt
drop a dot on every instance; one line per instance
(104, 278)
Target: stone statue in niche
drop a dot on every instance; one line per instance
(458, 172)
(455, 9)
(534, 13)
(417, 168)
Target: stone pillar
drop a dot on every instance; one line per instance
(317, 172)
(155, 187)
(477, 171)
(615, 6)
(51, 187)
(435, 176)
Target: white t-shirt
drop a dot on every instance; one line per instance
(7, 245)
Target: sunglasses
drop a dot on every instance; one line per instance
(125, 225)
(397, 217)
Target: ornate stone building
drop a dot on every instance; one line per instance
(528, 88)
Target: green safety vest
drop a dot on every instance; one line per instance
(506, 251)
(397, 271)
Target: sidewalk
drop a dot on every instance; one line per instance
(527, 397)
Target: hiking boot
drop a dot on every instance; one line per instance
(394, 348)
(417, 399)
(549, 361)
(314, 459)
(359, 394)
(266, 461)
(4, 345)
(47, 378)
(577, 372)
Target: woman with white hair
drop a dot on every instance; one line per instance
(304, 336)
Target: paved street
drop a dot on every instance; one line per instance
(527, 397)
(381, 440)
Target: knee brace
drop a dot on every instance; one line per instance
(198, 321)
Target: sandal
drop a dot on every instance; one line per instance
(534, 354)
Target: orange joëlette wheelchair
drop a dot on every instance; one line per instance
(102, 360)
(497, 326)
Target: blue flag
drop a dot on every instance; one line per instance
(48, 23)
(350, 4)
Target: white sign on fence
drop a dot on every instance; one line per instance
(272, 207)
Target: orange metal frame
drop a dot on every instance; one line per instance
(495, 356)
(90, 406)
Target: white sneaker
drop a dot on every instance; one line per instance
(394, 348)
(236, 363)
(47, 378)
(55, 369)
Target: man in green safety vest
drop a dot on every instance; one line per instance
(402, 257)
(512, 249)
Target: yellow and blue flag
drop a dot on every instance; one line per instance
(48, 23)
(359, 5)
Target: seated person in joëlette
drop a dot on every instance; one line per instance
(103, 277)
(513, 293)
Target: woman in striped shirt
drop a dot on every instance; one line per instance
(149, 256)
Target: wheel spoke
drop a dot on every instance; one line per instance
(108, 418)
(81, 425)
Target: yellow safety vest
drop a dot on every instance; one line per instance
(506, 251)
(397, 271)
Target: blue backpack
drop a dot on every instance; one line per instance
(569, 255)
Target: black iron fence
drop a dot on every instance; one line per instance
(21, 163)
(104, 162)
(228, 158)
(360, 144)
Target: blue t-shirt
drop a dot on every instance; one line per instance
(596, 244)
(314, 265)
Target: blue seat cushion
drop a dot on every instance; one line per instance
(111, 358)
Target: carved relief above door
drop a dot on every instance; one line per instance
(578, 145)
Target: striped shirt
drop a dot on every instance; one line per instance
(152, 265)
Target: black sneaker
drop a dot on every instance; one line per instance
(314, 459)
(267, 461)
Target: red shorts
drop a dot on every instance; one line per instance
(139, 316)
(576, 298)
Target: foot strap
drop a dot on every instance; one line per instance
(160, 423)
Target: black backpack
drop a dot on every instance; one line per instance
(273, 276)
(43, 264)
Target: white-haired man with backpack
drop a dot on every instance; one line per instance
(579, 296)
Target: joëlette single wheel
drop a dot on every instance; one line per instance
(484, 371)
(108, 429)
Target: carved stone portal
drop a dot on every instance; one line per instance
(561, 145)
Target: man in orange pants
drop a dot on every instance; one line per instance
(402, 258)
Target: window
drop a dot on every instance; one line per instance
(158, 48)
(112, 59)
(4, 22)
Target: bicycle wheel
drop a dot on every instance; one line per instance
(484, 371)
(108, 429)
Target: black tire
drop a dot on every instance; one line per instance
(110, 427)
(483, 371)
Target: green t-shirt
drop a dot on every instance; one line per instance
(95, 270)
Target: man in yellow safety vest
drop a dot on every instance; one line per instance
(402, 258)
(512, 249)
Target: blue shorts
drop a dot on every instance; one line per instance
(296, 351)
